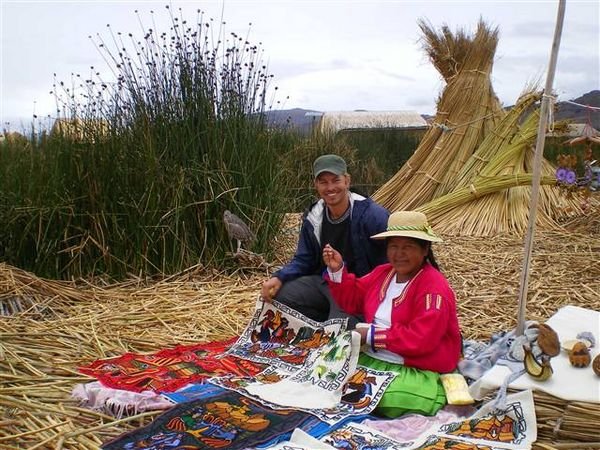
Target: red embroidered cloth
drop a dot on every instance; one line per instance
(170, 369)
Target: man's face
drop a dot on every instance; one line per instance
(332, 188)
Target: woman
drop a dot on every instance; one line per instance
(412, 327)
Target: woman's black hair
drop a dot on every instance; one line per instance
(431, 258)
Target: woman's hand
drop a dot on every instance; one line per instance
(332, 258)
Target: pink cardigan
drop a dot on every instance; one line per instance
(424, 329)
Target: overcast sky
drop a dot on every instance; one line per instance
(325, 55)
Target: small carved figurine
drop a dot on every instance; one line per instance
(596, 365)
(579, 356)
(548, 340)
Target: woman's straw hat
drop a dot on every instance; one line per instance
(408, 224)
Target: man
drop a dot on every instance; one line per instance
(342, 219)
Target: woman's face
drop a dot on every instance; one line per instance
(406, 255)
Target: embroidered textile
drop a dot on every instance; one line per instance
(169, 369)
(317, 385)
(281, 337)
(512, 427)
(360, 394)
(228, 421)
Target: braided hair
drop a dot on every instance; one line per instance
(430, 256)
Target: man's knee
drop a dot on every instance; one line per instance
(303, 295)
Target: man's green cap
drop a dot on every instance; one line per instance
(329, 163)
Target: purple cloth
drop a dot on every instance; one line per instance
(411, 426)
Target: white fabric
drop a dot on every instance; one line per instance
(117, 402)
(336, 277)
(567, 382)
(319, 384)
(300, 440)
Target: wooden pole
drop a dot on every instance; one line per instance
(537, 169)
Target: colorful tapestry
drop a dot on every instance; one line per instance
(227, 421)
(359, 437)
(360, 394)
(279, 336)
(169, 369)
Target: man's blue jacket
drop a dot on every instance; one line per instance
(367, 218)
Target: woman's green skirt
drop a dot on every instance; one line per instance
(412, 391)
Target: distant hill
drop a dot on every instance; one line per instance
(579, 114)
(297, 119)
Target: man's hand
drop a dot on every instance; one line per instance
(332, 258)
(270, 288)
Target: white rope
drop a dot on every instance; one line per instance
(446, 128)
(595, 108)
(551, 101)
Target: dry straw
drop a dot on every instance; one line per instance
(76, 323)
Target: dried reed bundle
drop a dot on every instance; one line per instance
(503, 134)
(491, 203)
(467, 111)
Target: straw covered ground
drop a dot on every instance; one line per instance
(63, 325)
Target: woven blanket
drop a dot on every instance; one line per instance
(281, 337)
(567, 382)
(228, 421)
(169, 369)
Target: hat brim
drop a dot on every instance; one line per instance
(408, 233)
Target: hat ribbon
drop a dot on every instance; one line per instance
(425, 228)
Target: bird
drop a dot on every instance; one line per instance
(237, 229)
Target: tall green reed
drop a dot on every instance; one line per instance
(138, 180)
